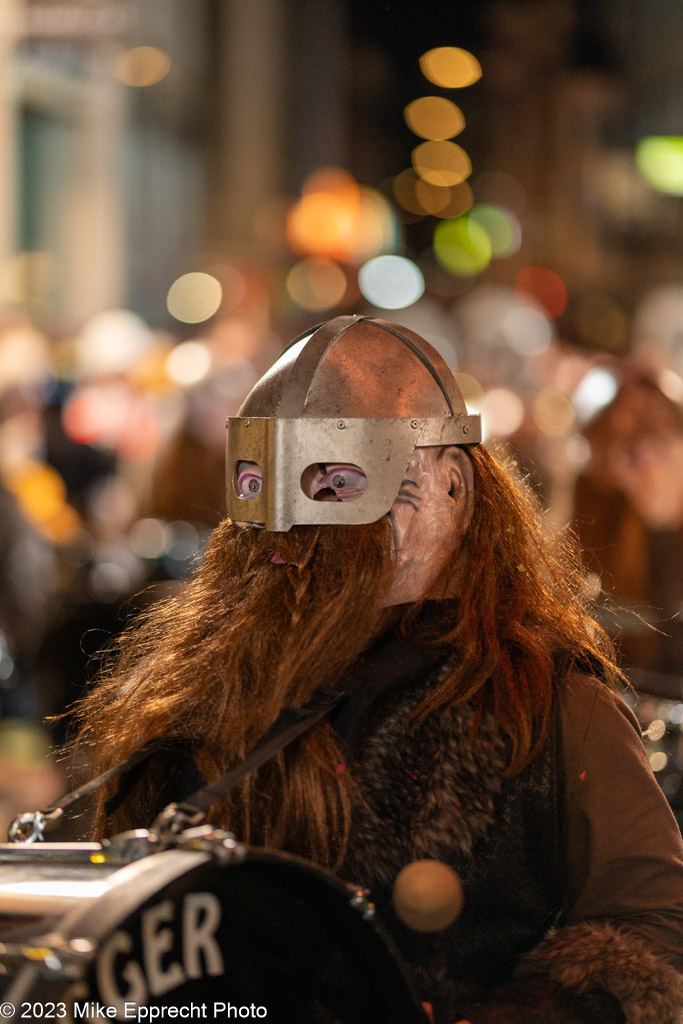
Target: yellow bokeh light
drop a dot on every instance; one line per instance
(404, 189)
(420, 197)
(660, 161)
(553, 412)
(316, 284)
(434, 117)
(441, 163)
(194, 297)
(142, 66)
(41, 493)
(450, 67)
(459, 198)
(432, 198)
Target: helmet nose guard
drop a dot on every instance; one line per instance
(354, 390)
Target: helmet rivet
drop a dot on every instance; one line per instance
(465, 429)
(247, 423)
(340, 424)
(415, 424)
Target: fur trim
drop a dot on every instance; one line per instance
(430, 790)
(594, 955)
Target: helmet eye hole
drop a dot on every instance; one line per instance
(248, 480)
(326, 481)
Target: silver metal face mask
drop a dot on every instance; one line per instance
(356, 393)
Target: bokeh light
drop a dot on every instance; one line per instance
(320, 223)
(658, 760)
(595, 391)
(24, 357)
(194, 297)
(148, 537)
(578, 452)
(111, 342)
(544, 286)
(553, 412)
(391, 282)
(403, 187)
(420, 197)
(671, 384)
(459, 198)
(41, 493)
(501, 226)
(450, 67)
(111, 416)
(338, 219)
(660, 161)
(142, 66)
(434, 117)
(188, 363)
(441, 163)
(316, 284)
(462, 246)
(527, 331)
(502, 412)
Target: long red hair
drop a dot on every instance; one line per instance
(212, 667)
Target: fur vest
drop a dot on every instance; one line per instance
(434, 791)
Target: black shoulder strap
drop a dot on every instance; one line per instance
(290, 723)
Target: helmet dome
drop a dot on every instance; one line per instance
(355, 391)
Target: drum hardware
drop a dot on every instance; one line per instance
(130, 846)
(202, 922)
(176, 818)
(183, 912)
(361, 902)
(31, 826)
(51, 956)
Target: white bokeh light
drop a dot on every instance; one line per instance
(527, 331)
(502, 413)
(194, 297)
(188, 362)
(595, 391)
(391, 282)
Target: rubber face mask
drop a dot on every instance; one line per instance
(429, 520)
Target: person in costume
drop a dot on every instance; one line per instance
(374, 545)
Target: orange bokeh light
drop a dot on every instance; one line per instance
(543, 285)
(337, 219)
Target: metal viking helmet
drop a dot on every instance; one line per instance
(357, 393)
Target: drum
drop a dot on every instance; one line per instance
(190, 934)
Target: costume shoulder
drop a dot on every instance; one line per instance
(624, 897)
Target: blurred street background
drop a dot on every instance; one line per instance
(185, 185)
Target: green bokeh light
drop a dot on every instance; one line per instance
(498, 226)
(462, 246)
(660, 161)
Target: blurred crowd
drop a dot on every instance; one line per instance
(112, 478)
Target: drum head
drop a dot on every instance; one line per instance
(267, 936)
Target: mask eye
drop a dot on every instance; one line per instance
(248, 480)
(334, 482)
